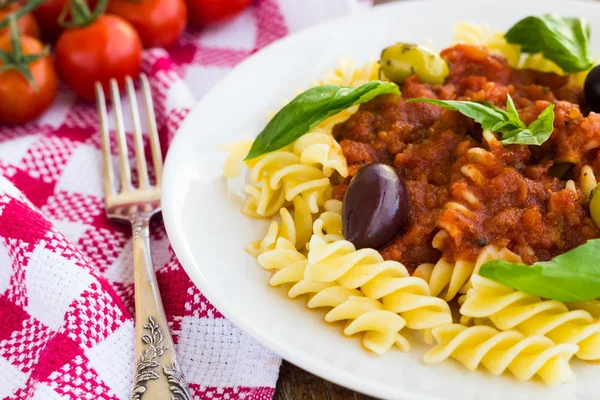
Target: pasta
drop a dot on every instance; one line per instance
(512, 309)
(587, 180)
(299, 176)
(381, 327)
(466, 32)
(490, 253)
(592, 306)
(348, 73)
(283, 172)
(498, 351)
(328, 226)
(447, 279)
(296, 229)
(389, 281)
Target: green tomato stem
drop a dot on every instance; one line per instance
(30, 6)
(16, 59)
(81, 15)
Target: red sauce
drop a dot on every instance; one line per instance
(516, 202)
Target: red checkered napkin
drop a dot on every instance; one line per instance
(66, 279)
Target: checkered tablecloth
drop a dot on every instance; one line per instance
(66, 279)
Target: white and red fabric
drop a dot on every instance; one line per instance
(66, 279)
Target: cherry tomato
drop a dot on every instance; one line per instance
(204, 12)
(46, 15)
(108, 48)
(27, 24)
(158, 22)
(21, 102)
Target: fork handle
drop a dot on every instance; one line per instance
(157, 372)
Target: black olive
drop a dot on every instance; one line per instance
(591, 89)
(375, 206)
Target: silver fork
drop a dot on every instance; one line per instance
(157, 372)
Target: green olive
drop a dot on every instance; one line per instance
(402, 60)
(595, 205)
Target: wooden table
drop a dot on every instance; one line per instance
(297, 384)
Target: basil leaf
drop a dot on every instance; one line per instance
(537, 133)
(512, 113)
(311, 107)
(572, 276)
(565, 41)
(508, 123)
(486, 114)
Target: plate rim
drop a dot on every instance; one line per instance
(361, 384)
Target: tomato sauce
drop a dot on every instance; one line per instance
(476, 190)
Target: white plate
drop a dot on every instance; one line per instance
(208, 232)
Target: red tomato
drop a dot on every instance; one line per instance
(20, 102)
(204, 12)
(27, 24)
(158, 22)
(108, 48)
(46, 15)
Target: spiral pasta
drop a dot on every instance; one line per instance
(348, 73)
(539, 63)
(381, 327)
(282, 172)
(296, 229)
(508, 309)
(498, 351)
(389, 281)
(329, 224)
(469, 33)
(592, 306)
(447, 279)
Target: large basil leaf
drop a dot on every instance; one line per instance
(572, 276)
(308, 109)
(495, 119)
(565, 41)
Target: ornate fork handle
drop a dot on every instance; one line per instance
(157, 372)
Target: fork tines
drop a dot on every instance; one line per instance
(125, 172)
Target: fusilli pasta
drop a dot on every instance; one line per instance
(389, 281)
(447, 279)
(498, 351)
(469, 33)
(592, 306)
(296, 229)
(329, 224)
(512, 309)
(381, 327)
(348, 73)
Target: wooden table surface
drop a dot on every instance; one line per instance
(297, 384)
